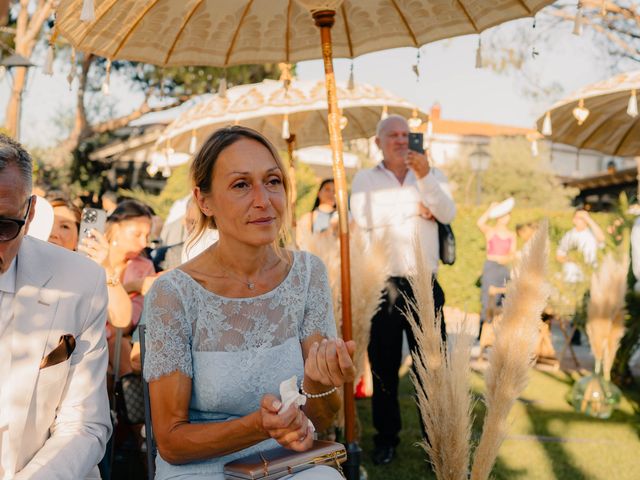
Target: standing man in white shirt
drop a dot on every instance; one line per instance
(54, 411)
(398, 200)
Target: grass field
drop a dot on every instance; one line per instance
(548, 440)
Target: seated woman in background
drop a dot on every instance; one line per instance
(119, 251)
(501, 249)
(319, 219)
(66, 223)
(227, 327)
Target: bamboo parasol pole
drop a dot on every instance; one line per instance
(325, 20)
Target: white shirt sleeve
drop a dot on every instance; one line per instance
(436, 195)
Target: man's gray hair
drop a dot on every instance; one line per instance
(12, 153)
(383, 123)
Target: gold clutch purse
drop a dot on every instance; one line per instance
(280, 462)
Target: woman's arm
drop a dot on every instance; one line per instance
(482, 221)
(181, 442)
(328, 364)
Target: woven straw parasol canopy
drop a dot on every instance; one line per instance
(220, 33)
(263, 106)
(610, 126)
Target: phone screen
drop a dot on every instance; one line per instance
(416, 142)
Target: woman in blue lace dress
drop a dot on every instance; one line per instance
(227, 327)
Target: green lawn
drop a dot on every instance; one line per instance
(548, 440)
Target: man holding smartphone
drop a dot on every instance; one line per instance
(398, 200)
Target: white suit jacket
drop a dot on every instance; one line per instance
(59, 415)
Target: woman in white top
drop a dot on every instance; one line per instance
(226, 328)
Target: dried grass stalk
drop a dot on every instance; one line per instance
(605, 313)
(512, 354)
(441, 380)
(368, 275)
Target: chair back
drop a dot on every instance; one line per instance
(151, 444)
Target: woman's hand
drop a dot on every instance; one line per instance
(97, 248)
(330, 363)
(291, 428)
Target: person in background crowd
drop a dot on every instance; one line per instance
(109, 200)
(66, 223)
(319, 219)
(226, 328)
(501, 250)
(398, 201)
(119, 252)
(586, 237)
(54, 411)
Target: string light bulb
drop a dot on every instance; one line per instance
(107, 80)
(580, 112)
(632, 107)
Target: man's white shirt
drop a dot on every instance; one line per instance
(388, 209)
(7, 293)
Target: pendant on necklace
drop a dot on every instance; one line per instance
(251, 285)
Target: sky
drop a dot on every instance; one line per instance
(447, 75)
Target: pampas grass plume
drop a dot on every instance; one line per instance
(441, 380)
(512, 354)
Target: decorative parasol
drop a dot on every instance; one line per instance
(223, 33)
(602, 116)
(276, 112)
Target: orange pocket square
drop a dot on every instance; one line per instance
(62, 352)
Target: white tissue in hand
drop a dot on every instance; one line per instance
(289, 395)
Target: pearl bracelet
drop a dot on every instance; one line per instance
(317, 395)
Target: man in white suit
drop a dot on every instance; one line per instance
(54, 413)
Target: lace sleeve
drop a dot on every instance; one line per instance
(318, 310)
(168, 333)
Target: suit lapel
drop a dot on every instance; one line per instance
(34, 309)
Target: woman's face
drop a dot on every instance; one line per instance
(131, 236)
(65, 229)
(247, 197)
(327, 194)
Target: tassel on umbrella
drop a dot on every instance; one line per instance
(88, 11)
(72, 70)
(546, 125)
(222, 87)
(577, 24)
(351, 85)
(107, 80)
(48, 64)
(632, 108)
(285, 127)
(193, 143)
(479, 54)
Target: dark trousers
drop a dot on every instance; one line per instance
(385, 355)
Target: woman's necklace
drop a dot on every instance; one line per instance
(250, 285)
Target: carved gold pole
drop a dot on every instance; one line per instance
(325, 20)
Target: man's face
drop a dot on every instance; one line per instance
(394, 141)
(13, 205)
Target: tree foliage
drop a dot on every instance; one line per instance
(610, 30)
(513, 172)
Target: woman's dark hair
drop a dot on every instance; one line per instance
(316, 204)
(205, 160)
(128, 209)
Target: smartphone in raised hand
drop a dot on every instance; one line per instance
(91, 219)
(416, 142)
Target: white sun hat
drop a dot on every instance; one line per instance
(502, 208)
